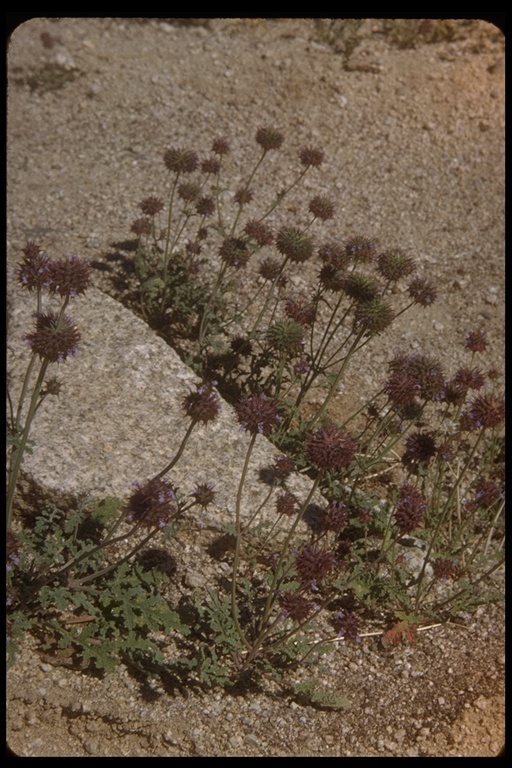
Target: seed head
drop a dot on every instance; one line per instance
(395, 264)
(401, 388)
(69, 277)
(258, 414)
(259, 231)
(189, 190)
(422, 291)
(426, 371)
(286, 337)
(361, 287)
(286, 504)
(150, 206)
(300, 310)
(335, 516)
(54, 339)
(373, 316)
(295, 606)
(476, 341)
(210, 165)
(204, 494)
(311, 156)
(484, 412)
(181, 160)
(321, 207)
(234, 252)
(330, 448)
(295, 244)
(205, 205)
(313, 564)
(152, 504)
(243, 195)
(347, 625)
(410, 508)
(335, 254)
(445, 569)
(220, 146)
(269, 138)
(331, 278)
(32, 273)
(361, 249)
(468, 378)
(203, 404)
(283, 466)
(241, 346)
(420, 448)
(269, 268)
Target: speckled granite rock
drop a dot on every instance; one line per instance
(119, 418)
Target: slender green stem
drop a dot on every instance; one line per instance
(238, 544)
(178, 453)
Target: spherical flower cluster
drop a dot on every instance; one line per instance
(181, 160)
(203, 404)
(152, 504)
(484, 412)
(258, 414)
(347, 625)
(422, 291)
(331, 278)
(468, 378)
(420, 448)
(313, 564)
(410, 509)
(189, 190)
(55, 338)
(33, 270)
(426, 372)
(220, 146)
(205, 205)
(335, 254)
(445, 569)
(476, 341)
(259, 231)
(361, 287)
(286, 504)
(395, 264)
(286, 337)
(234, 252)
(210, 165)
(321, 207)
(361, 249)
(330, 448)
(269, 138)
(68, 277)
(141, 226)
(243, 196)
(283, 466)
(486, 493)
(311, 156)
(204, 494)
(335, 516)
(269, 268)
(295, 606)
(373, 316)
(150, 206)
(295, 244)
(401, 388)
(300, 310)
